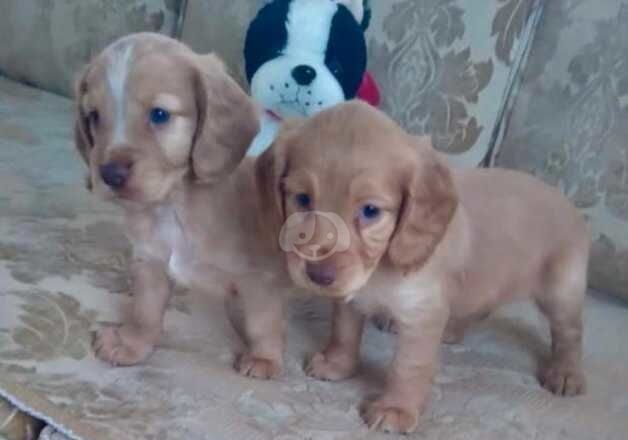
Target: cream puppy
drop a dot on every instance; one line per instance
(164, 132)
(432, 247)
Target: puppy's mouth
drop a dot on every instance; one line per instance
(319, 281)
(126, 194)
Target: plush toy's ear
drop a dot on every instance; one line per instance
(368, 14)
(266, 36)
(361, 10)
(347, 45)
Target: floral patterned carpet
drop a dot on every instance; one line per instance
(62, 274)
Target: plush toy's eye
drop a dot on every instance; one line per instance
(335, 67)
(303, 200)
(159, 116)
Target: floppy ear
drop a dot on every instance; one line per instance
(428, 206)
(83, 140)
(227, 121)
(270, 170)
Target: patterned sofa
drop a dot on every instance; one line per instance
(535, 85)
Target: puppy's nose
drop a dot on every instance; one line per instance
(115, 174)
(304, 75)
(321, 274)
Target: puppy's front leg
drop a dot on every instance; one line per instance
(135, 340)
(410, 376)
(339, 359)
(264, 331)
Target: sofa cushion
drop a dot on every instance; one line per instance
(443, 66)
(38, 126)
(568, 125)
(45, 42)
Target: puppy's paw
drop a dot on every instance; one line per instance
(453, 336)
(121, 346)
(258, 367)
(328, 367)
(382, 415)
(384, 323)
(563, 380)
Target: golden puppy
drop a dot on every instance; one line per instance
(163, 131)
(431, 247)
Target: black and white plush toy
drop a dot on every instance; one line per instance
(303, 56)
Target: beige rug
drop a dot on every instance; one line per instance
(62, 274)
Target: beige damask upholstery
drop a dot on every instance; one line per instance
(443, 65)
(448, 67)
(64, 272)
(43, 42)
(569, 123)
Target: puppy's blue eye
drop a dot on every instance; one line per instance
(303, 200)
(159, 116)
(370, 212)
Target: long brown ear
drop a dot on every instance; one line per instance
(227, 121)
(270, 170)
(82, 137)
(83, 140)
(429, 204)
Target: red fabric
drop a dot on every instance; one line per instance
(369, 90)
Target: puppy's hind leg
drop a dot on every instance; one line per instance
(562, 304)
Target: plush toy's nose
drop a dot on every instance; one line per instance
(304, 75)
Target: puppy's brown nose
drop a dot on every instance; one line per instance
(322, 274)
(115, 174)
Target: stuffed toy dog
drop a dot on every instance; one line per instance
(303, 56)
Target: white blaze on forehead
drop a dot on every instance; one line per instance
(117, 76)
(308, 26)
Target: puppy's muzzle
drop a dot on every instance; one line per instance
(323, 274)
(116, 174)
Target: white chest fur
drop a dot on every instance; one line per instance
(168, 243)
(402, 297)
